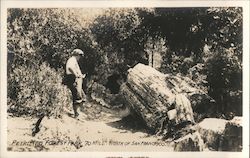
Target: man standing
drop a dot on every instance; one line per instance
(74, 79)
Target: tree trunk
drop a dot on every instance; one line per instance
(152, 95)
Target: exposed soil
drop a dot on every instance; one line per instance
(96, 129)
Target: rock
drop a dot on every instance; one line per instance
(221, 135)
(190, 142)
(152, 94)
(232, 136)
(211, 130)
(172, 114)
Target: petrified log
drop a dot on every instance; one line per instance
(232, 136)
(211, 130)
(220, 134)
(152, 95)
(190, 142)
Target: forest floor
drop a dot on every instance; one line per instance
(96, 129)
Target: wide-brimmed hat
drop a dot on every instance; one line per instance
(77, 52)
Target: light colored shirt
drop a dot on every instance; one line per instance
(72, 67)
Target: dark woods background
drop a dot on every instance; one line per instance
(204, 44)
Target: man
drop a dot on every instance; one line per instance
(74, 79)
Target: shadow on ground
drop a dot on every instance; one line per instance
(130, 123)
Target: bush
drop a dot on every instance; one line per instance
(36, 90)
(224, 76)
(45, 35)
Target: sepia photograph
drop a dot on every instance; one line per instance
(125, 79)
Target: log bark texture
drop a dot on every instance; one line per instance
(156, 97)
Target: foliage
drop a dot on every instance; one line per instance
(224, 58)
(35, 37)
(204, 44)
(37, 91)
(45, 35)
(224, 76)
(155, 49)
(115, 33)
(225, 29)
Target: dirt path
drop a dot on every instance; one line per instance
(107, 133)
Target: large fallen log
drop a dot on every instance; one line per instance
(164, 100)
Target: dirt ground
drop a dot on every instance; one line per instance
(96, 129)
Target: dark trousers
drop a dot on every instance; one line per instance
(75, 86)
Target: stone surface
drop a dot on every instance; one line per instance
(211, 130)
(151, 94)
(220, 134)
(190, 142)
(232, 135)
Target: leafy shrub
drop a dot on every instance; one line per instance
(197, 74)
(37, 91)
(224, 76)
(204, 44)
(45, 35)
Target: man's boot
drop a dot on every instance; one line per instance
(76, 114)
